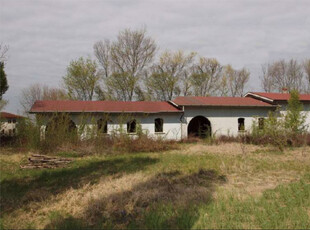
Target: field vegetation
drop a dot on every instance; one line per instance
(191, 185)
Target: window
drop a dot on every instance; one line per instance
(14, 121)
(10, 121)
(240, 124)
(159, 125)
(261, 121)
(131, 126)
(102, 126)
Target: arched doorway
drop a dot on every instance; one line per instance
(199, 127)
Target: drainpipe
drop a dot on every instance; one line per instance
(181, 118)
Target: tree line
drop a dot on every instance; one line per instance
(125, 69)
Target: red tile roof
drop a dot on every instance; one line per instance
(220, 101)
(9, 115)
(103, 106)
(279, 96)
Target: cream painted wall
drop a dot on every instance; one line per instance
(224, 120)
(306, 111)
(7, 128)
(118, 123)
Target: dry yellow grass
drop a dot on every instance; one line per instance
(242, 165)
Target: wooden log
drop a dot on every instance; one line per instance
(43, 161)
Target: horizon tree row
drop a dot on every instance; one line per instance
(130, 68)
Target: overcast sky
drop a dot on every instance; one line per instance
(44, 36)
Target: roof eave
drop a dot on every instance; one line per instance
(259, 96)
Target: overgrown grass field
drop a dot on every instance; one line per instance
(195, 186)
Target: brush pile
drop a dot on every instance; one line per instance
(42, 161)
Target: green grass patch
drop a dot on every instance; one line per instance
(286, 207)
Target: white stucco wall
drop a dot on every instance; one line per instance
(7, 128)
(117, 123)
(306, 111)
(224, 120)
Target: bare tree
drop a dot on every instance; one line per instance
(206, 77)
(307, 73)
(102, 50)
(267, 82)
(170, 76)
(40, 92)
(3, 52)
(235, 80)
(282, 74)
(124, 60)
(82, 79)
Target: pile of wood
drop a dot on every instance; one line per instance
(42, 161)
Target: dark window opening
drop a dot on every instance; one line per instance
(241, 124)
(159, 125)
(10, 121)
(132, 126)
(261, 122)
(14, 120)
(102, 126)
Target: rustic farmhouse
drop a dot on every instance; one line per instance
(177, 119)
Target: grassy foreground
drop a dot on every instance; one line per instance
(195, 186)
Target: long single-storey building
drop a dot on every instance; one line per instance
(177, 119)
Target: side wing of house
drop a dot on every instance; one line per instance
(281, 100)
(204, 116)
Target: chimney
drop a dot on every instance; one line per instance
(284, 90)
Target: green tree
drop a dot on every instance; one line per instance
(294, 118)
(3, 81)
(206, 77)
(121, 86)
(170, 76)
(235, 81)
(82, 79)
